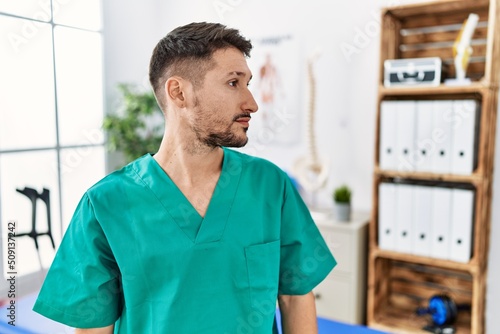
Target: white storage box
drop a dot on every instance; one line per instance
(413, 72)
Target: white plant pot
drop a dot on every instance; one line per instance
(342, 212)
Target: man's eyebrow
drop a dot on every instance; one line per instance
(239, 74)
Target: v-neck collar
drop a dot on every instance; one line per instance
(196, 228)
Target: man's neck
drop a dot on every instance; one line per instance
(188, 163)
(194, 172)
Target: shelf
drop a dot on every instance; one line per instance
(410, 258)
(474, 88)
(396, 319)
(473, 178)
(399, 283)
(429, 9)
(401, 288)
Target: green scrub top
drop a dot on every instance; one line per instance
(137, 253)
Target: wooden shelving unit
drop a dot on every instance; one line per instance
(398, 283)
(474, 88)
(474, 178)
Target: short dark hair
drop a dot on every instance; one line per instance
(187, 52)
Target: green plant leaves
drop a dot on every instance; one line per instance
(135, 130)
(342, 194)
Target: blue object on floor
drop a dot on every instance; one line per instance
(29, 322)
(329, 327)
(326, 326)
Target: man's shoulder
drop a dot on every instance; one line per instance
(257, 164)
(123, 177)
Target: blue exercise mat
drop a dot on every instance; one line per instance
(29, 322)
(326, 326)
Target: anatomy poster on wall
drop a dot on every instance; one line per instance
(276, 66)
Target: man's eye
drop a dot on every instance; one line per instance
(233, 83)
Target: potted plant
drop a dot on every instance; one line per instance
(137, 128)
(342, 201)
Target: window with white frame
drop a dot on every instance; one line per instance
(51, 110)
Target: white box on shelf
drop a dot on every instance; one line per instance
(464, 129)
(413, 72)
(422, 223)
(388, 125)
(442, 136)
(462, 223)
(441, 223)
(404, 217)
(424, 136)
(387, 216)
(405, 138)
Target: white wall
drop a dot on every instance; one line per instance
(346, 86)
(131, 29)
(344, 108)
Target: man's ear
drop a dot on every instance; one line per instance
(175, 90)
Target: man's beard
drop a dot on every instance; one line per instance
(213, 138)
(225, 138)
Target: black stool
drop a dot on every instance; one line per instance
(33, 195)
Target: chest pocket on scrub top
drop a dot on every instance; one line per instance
(263, 263)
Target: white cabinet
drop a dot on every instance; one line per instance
(341, 296)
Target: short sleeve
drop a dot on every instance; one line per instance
(82, 288)
(305, 257)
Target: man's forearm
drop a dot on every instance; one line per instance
(298, 314)
(103, 330)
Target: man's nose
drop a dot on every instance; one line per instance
(250, 104)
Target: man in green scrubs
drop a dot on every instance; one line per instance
(197, 238)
